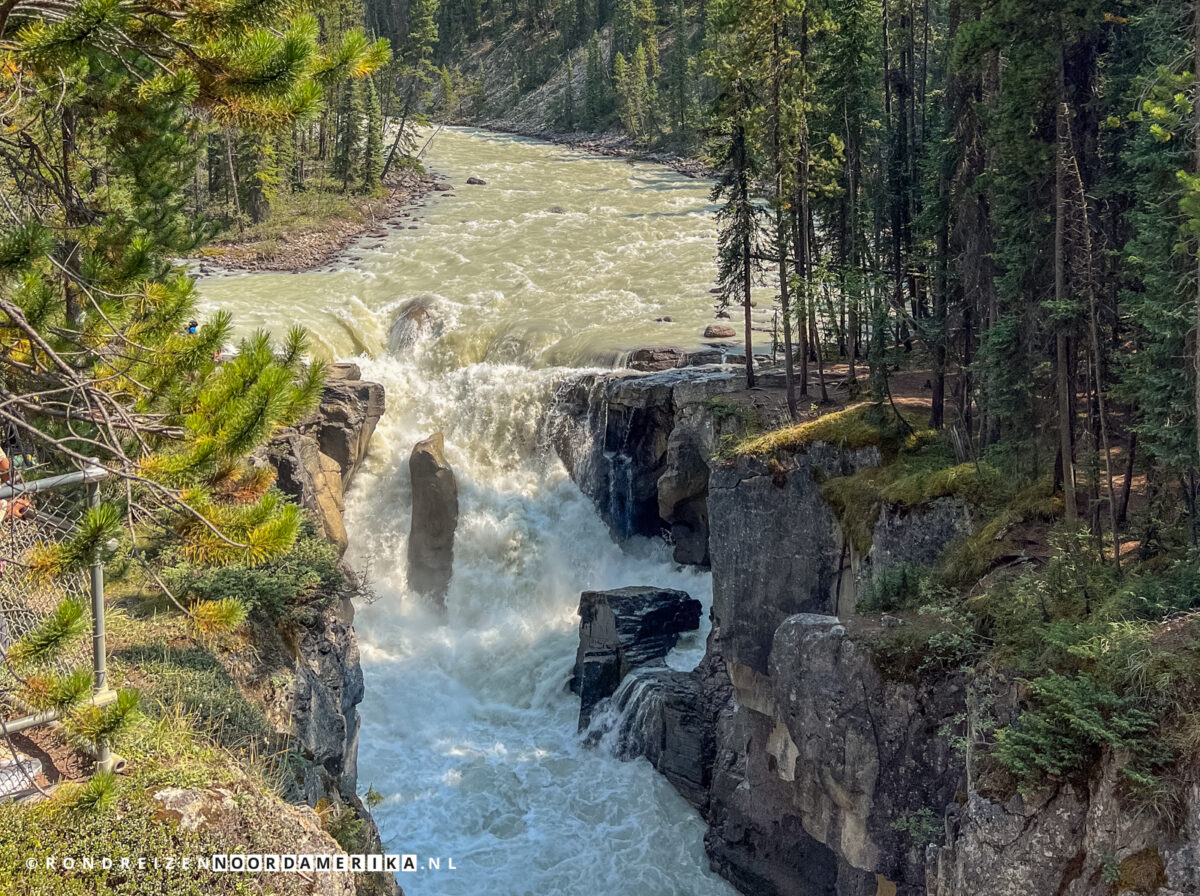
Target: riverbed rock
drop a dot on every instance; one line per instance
(414, 321)
(613, 432)
(622, 630)
(442, 188)
(719, 331)
(434, 519)
(670, 717)
(476, 181)
(654, 359)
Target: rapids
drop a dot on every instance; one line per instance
(561, 261)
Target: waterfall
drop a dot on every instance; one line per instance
(469, 731)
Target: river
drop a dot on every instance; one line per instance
(561, 261)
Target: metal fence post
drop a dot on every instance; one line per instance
(99, 646)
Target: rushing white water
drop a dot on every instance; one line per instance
(468, 729)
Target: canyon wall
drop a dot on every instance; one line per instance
(820, 769)
(309, 678)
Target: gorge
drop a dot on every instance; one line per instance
(816, 769)
(468, 730)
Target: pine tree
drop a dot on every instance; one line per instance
(413, 72)
(595, 89)
(568, 103)
(633, 96)
(679, 78)
(347, 157)
(91, 277)
(372, 164)
(739, 220)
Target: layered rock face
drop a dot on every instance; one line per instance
(816, 757)
(434, 519)
(639, 445)
(776, 547)
(821, 775)
(622, 630)
(315, 460)
(313, 699)
(1068, 841)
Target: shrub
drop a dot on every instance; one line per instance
(896, 587)
(308, 573)
(1071, 720)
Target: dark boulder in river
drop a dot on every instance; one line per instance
(476, 181)
(652, 359)
(434, 519)
(622, 630)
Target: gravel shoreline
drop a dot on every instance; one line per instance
(316, 248)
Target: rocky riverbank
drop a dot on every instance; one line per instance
(297, 239)
(613, 143)
(310, 681)
(824, 745)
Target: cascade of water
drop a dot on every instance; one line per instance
(468, 729)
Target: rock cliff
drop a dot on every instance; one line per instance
(316, 459)
(640, 446)
(313, 693)
(820, 768)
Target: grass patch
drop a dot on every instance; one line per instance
(1000, 538)
(921, 471)
(861, 426)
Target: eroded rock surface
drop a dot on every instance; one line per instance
(434, 519)
(639, 446)
(622, 630)
(315, 460)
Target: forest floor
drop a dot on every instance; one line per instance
(309, 230)
(764, 408)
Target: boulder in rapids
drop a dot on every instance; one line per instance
(414, 320)
(477, 181)
(621, 630)
(719, 331)
(651, 359)
(434, 519)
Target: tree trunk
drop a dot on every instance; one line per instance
(1060, 295)
(781, 217)
(233, 183)
(1196, 108)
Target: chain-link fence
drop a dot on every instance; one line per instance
(35, 514)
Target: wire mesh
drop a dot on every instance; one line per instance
(31, 520)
